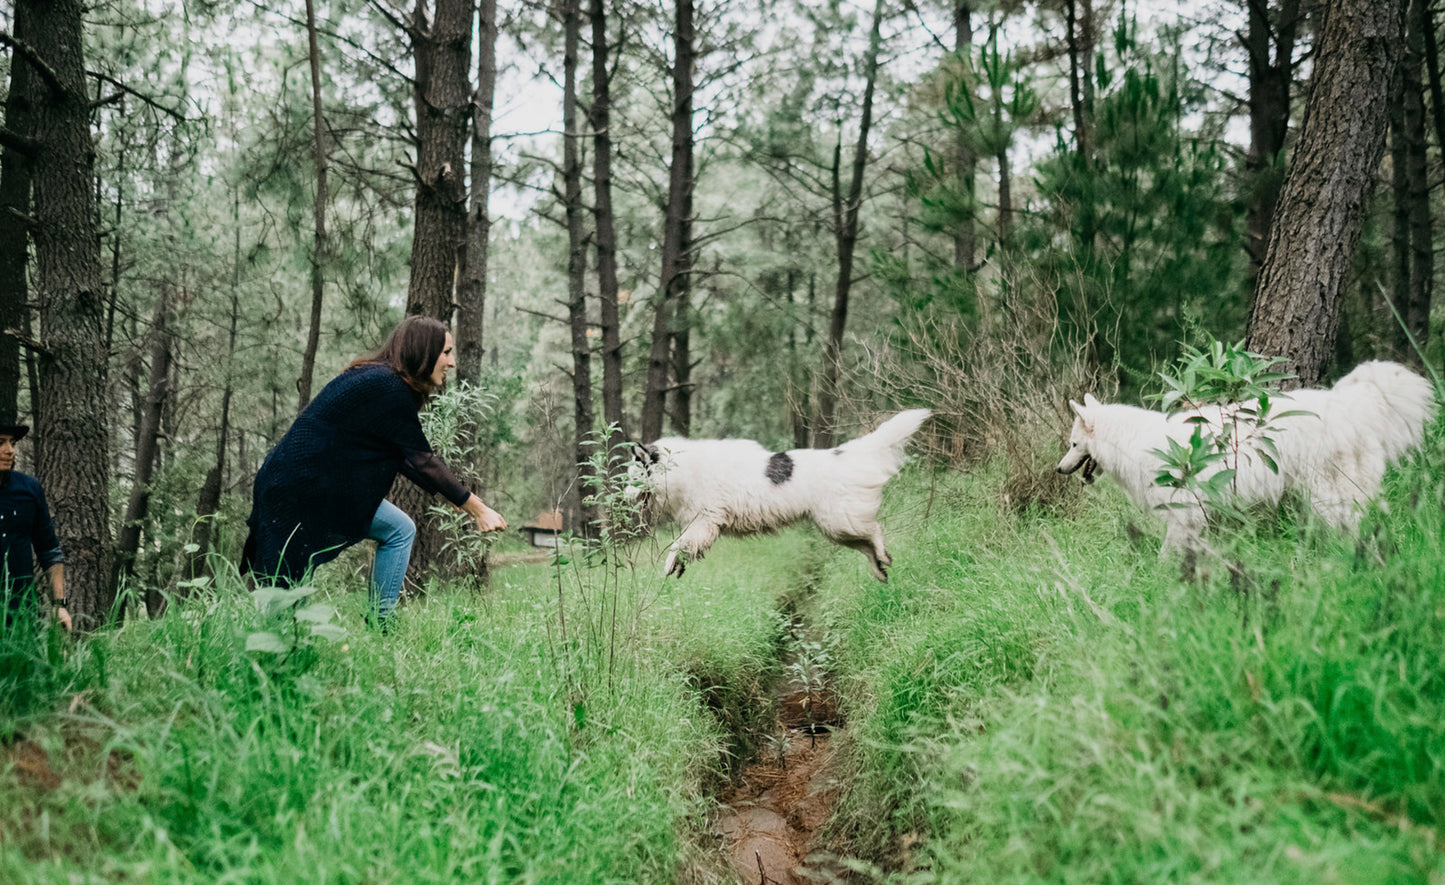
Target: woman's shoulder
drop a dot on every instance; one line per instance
(377, 376)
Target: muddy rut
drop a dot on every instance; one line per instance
(768, 819)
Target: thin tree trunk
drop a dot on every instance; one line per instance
(147, 445)
(1321, 208)
(583, 444)
(72, 439)
(1392, 330)
(320, 250)
(600, 119)
(965, 237)
(208, 500)
(845, 221)
(1270, 50)
(15, 174)
(472, 298)
(1416, 316)
(677, 224)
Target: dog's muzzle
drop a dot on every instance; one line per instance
(1088, 465)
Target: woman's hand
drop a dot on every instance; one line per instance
(487, 519)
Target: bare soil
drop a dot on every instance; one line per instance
(769, 819)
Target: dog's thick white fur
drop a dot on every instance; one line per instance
(738, 487)
(1335, 455)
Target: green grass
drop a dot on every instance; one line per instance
(1039, 699)
(1033, 697)
(478, 742)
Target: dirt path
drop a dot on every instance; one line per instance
(767, 821)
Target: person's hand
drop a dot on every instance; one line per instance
(487, 519)
(62, 614)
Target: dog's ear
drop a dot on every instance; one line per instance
(644, 455)
(1083, 412)
(1090, 401)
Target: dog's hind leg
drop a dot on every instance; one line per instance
(878, 558)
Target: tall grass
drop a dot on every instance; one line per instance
(454, 748)
(1041, 699)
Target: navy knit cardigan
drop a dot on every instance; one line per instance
(319, 488)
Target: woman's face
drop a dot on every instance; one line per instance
(7, 452)
(446, 361)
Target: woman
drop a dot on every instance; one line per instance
(27, 534)
(323, 488)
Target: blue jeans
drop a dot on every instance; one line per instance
(393, 531)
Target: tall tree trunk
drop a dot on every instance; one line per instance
(1389, 328)
(1079, 35)
(208, 500)
(472, 297)
(1270, 49)
(600, 119)
(682, 362)
(320, 251)
(582, 411)
(147, 446)
(677, 224)
(15, 173)
(73, 442)
(1317, 228)
(442, 47)
(845, 225)
(965, 237)
(1416, 316)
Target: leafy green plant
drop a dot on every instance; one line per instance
(460, 424)
(1226, 392)
(295, 623)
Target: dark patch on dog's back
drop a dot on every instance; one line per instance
(780, 468)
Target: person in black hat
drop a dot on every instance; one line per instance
(26, 534)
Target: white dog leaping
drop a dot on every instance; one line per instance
(1335, 451)
(738, 487)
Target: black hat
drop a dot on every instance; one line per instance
(8, 427)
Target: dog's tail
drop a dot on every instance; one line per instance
(1402, 402)
(884, 446)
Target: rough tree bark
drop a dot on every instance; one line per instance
(74, 446)
(1296, 309)
(442, 46)
(677, 223)
(845, 227)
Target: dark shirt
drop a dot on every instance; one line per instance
(25, 526)
(319, 488)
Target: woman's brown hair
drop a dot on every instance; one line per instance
(411, 349)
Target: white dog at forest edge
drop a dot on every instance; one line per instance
(1335, 453)
(738, 487)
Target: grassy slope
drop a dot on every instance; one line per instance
(477, 743)
(1041, 700)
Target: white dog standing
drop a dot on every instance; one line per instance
(738, 487)
(1335, 454)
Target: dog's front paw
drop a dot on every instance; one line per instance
(675, 565)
